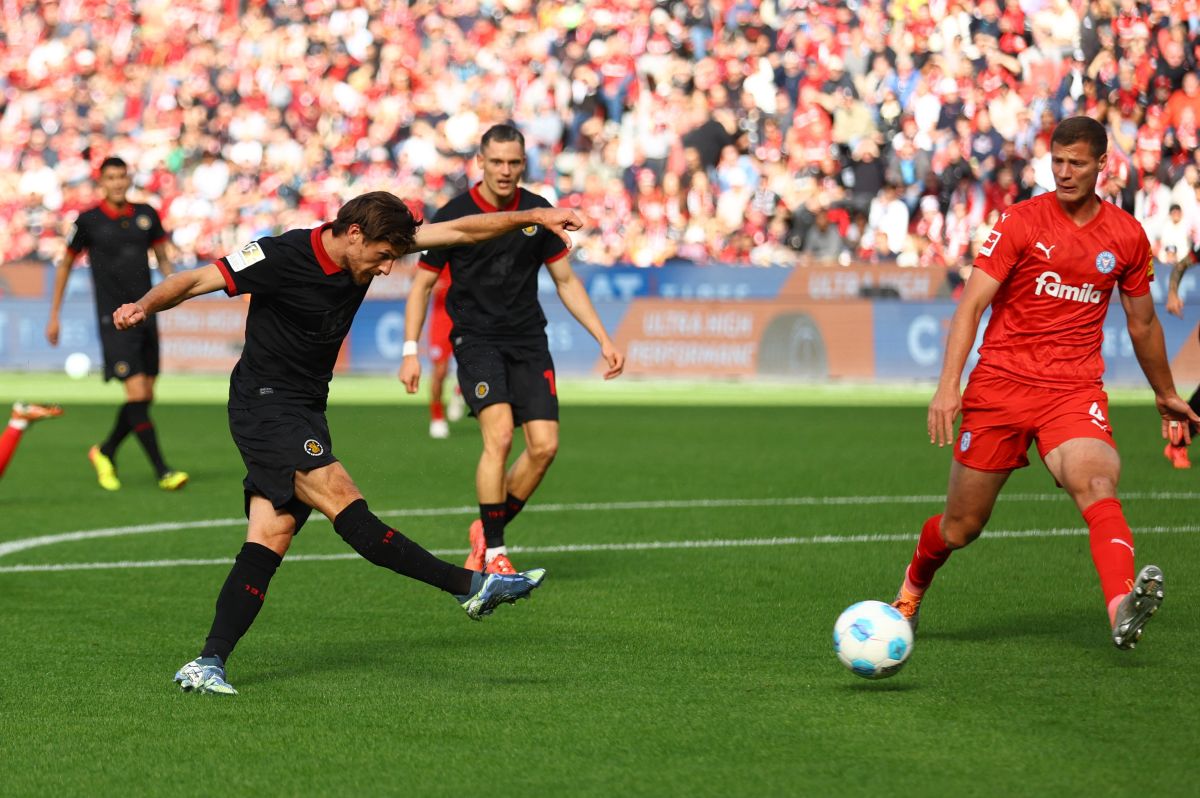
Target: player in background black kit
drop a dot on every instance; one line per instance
(1176, 450)
(499, 338)
(116, 234)
(305, 287)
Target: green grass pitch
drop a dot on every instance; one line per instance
(684, 668)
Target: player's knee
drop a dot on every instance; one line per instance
(498, 442)
(543, 451)
(959, 531)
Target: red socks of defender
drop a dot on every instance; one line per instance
(1112, 547)
(931, 554)
(8, 442)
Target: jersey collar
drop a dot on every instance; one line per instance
(327, 264)
(112, 212)
(488, 207)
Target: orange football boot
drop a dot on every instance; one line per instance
(478, 547)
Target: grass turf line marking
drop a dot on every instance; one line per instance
(657, 545)
(24, 544)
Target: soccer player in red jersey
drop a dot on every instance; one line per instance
(1176, 450)
(23, 414)
(1047, 270)
(440, 352)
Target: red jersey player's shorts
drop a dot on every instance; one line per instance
(439, 328)
(1001, 417)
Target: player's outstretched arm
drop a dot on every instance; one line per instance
(484, 226)
(575, 298)
(169, 293)
(1145, 332)
(61, 274)
(414, 319)
(947, 400)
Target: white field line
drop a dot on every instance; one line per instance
(24, 544)
(658, 545)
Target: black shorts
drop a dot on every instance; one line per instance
(517, 374)
(129, 352)
(275, 442)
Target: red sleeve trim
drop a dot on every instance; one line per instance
(986, 266)
(559, 256)
(75, 252)
(429, 267)
(230, 288)
(160, 239)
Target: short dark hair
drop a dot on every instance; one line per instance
(1081, 128)
(501, 132)
(113, 162)
(382, 216)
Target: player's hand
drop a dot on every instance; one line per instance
(410, 373)
(1174, 304)
(128, 315)
(559, 221)
(943, 409)
(52, 330)
(1177, 418)
(614, 358)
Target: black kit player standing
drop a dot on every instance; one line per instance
(499, 338)
(1176, 450)
(116, 234)
(305, 287)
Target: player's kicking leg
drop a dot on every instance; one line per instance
(969, 500)
(1137, 606)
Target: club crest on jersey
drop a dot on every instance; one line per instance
(531, 230)
(964, 442)
(314, 447)
(481, 390)
(143, 222)
(1106, 262)
(1051, 284)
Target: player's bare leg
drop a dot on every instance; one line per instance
(486, 535)
(438, 426)
(1089, 469)
(970, 496)
(521, 480)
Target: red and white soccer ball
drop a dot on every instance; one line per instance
(872, 639)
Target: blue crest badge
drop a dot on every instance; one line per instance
(1106, 262)
(965, 442)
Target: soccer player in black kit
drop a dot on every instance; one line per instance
(305, 287)
(499, 338)
(116, 234)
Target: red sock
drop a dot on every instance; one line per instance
(437, 411)
(1112, 547)
(931, 554)
(8, 444)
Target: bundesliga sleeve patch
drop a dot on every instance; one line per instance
(989, 245)
(248, 255)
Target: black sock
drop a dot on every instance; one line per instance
(514, 506)
(138, 415)
(240, 599)
(380, 544)
(120, 431)
(494, 517)
(1194, 403)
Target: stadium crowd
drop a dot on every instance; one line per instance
(737, 131)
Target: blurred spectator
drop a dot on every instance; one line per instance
(744, 114)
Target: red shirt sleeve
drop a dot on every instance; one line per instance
(1003, 247)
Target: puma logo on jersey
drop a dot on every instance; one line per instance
(1051, 284)
(1046, 249)
(1003, 216)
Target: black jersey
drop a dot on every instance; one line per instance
(493, 285)
(301, 307)
(118, 243)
